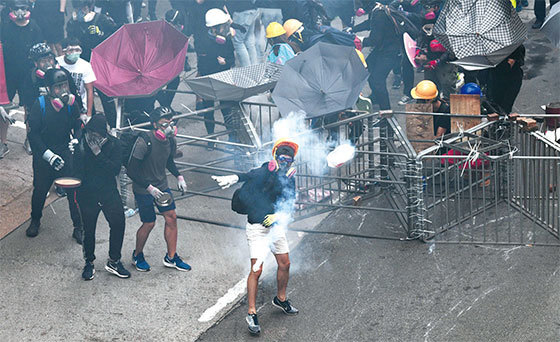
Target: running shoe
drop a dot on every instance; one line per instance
(176, 263)
(4, 150)
(140, 262)
(89, 271)
(117, 268)
(253, 324)
(285, 306)
(33, 228)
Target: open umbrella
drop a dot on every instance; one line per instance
(139, 59)
(551, 26)
(324, 79)
(236, 84)
(479, 28)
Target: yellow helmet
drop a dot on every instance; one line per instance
(274, 30)
(425, 90)
(291, 26)
(284, 142)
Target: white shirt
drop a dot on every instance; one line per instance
(82, 73)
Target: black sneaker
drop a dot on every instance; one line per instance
(89, 271)
(78, 235)
(253, 324)
(117, 269)
(285, 306)
(537, 24)
(33, 228)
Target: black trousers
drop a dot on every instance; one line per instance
(91, 204)
(210, 122)
(380, 65)
(504, 85)
(540, 8)
(407, 74)
(165, 98)
(43, 177)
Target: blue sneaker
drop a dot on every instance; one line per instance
(140, 262)
(176, 262)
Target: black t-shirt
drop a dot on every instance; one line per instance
(16, 42)
(207, 51)
(442, 120)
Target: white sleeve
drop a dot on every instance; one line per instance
(89, 76)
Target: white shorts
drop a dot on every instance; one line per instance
(260, 239)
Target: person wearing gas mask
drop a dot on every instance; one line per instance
(97, 162)
(54, 126)
(266, 197)
(151, 155)
(81, 71)
(215, 53)
(19, 34)
(34, 81)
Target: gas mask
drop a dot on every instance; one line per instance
(60, 95)
(72, 53)
(20, 13)
(44, 64)
(165, 130)
(220, 34)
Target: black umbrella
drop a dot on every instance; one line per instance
(324, 79)
(236, 84)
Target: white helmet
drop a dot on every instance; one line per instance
(216, 16)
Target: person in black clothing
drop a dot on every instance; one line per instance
(540, 12)
(49, 15)
(54, 125)
(267, 198)
(97, 161)
(504, 80)
(137, 10)
(214, 52)
(386, 45)
(19, 34)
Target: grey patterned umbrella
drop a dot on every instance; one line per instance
(480, 28)
(236, 84)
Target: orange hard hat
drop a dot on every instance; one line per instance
(284, 142)
(291, 26)
(425, 90)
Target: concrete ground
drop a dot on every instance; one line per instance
(347, 288)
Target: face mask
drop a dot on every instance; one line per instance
(60, 96)
(73, 57)
(430, 16)
(43, 65)
(95, 141)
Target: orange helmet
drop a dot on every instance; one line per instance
(291, 26)
(425, 90)
(284, 142)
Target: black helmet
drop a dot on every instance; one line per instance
(161, 112)
(39, 51)
(54, 76)
(15, 4)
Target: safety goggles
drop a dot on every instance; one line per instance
(164, 125)
(285, 159)
(72, 49)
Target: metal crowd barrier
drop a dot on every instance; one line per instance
(499, 186)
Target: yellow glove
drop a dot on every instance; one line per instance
(269, 220)
(94, 29)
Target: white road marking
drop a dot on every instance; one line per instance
(239, 289)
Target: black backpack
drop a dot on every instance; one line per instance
(128, 140)
(401, 22)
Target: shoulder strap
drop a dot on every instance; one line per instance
(42, 104)
(148, 142)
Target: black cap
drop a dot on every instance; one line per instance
(53, 76)
(161, 112)
(97, 124)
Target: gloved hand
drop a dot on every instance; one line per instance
(85, 118)
(360, 12)
(181, 184)
(54, 160)
(226, 181)
(71, 144)
(431, 65)
(155, 192)
(95, 30)
(5, 117)
(269, 220)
